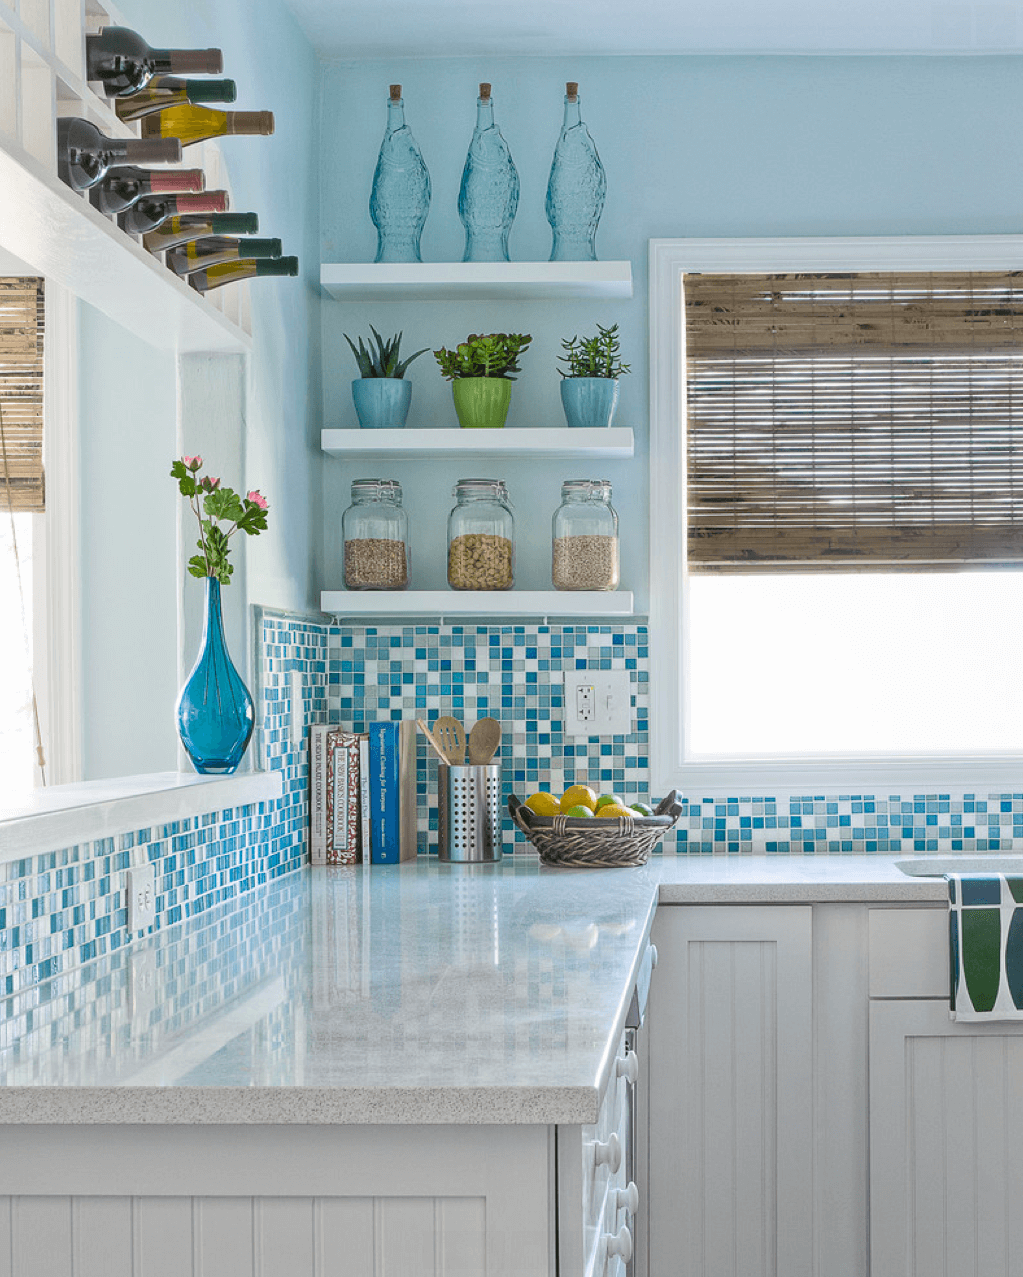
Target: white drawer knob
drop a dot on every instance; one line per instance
(609, 1154)
(627, 1198)
(653, 956)
(619, 1243)
(628, 1066)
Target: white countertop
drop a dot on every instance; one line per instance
(423, 993)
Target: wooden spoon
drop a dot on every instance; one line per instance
(484, 740)
(431, 741)
(450, 735)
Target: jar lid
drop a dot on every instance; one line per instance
(587, 489)
(480, 488)
(380, 489)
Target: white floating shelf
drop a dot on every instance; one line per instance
(61, 236)
(612, 444)
(448, 603)
(466, 281)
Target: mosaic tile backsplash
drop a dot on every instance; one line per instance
(66, 907)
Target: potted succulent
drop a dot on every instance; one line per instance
(589, 389)
(480, 371)
(381, 394)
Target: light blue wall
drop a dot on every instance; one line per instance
(263, 433)
(693, 146)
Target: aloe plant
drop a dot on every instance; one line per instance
(384, 361)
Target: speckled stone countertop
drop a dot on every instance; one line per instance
(425, 993)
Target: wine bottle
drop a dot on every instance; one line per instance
(228, 272)
(156, 211)
(198, 123)
(125, 184)
(179, 229)
(164, 90)
(84, 154)
(124, 63)
(211, 250)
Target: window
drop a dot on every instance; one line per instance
(843, 437)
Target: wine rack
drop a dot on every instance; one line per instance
(54, 231)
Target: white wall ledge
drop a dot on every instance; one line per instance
(66, 815)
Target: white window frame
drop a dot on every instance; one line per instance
(671, 766)
(56, 542)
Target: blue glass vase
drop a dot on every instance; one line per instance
(576, 188)
(489, 195)
(400, 199)
(214, 710)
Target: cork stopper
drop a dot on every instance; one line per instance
(485, 92)
(395, 92)
(572, 91)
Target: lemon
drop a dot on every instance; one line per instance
(644, 809)
(604, 799)
(578, 795)
(614, 810)
(580, 812)
(543, 804)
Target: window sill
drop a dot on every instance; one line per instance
(64, 815)
(888, 775)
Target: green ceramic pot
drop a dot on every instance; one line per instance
(481, 402)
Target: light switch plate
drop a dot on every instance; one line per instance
(598, 703)
(141, 884)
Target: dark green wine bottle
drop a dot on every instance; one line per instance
(180, 229)
(212, 250)
(166, 90)
(229, 272)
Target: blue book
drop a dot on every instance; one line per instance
(384, 795)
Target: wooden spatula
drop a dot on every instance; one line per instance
(484, 740)
(431, 740)
(450, 736)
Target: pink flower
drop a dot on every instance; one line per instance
(192, 463)
(257, 498)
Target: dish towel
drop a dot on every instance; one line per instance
(985, 936)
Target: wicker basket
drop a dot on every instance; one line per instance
(602, 843)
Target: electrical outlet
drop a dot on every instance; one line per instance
(297, 715)
(598, 703)
(141, 884)
(142, 981)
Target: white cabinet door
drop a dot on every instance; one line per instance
(731, 1100)
(946, 1143)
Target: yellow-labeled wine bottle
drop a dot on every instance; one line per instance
(199, 123)
(230, 272)
(163, 91)
(183, 227)
(212, 250)
(153, 210)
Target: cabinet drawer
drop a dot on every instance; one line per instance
(908, 953)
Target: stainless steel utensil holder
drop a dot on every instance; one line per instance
(469, 824)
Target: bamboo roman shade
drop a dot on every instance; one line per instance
(855, 421)
(21, 394)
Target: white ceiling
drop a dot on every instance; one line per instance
(462, 28)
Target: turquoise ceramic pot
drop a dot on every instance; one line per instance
(589, 402)
(382, 403)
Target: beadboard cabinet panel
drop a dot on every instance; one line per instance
(946, 1143)
(244, 1237)
(731, 1062)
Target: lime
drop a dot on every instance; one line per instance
(604, 799)
(644, 809)
(579, 812)
(543, 804)
(578, 795)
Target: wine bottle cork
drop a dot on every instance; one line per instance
(572, 90)
(395, 92)
(485, 92)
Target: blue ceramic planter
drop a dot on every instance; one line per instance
(214, 711)
(382, 403)
(589, 402)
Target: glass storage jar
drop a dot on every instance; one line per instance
(376, 542)
(585, 537)
(481, 536)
